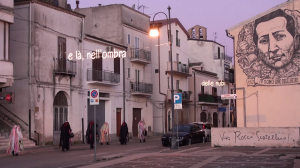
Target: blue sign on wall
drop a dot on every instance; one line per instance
(177, 101)
(223, 109)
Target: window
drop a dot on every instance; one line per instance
(137, 42)
(137, 76)
(169, 56)
(169, 82)
(177, 84)
(214, 91)
(117, 68)
(219, 53)
(169, 36)
(128, 72)
(177, 39)
(62, 56)
(177, 57)
(200, 33)
(128, 39)
(202, 89)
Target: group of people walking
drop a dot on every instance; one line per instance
(15, 139)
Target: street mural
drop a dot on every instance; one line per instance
(268, 49)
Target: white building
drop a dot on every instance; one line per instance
(103, 73)
(6, 66)
(46, 83)
(123, 25)
(161, 62)
(208, 65)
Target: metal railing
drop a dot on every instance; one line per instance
(229, 77)
(209, 98)
(141, 87)
(177, 66)
(137, 53)
(14, 115)
(185, 94)
(102, 76)
(64, 66)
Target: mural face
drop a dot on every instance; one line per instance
(268, 49)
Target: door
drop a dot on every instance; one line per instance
(118, 121)
(100, 113)
(203, 117)
(135, 121)
(60, 115)
(97, 73)
(137, 46)
(224, 119)
(215, 119)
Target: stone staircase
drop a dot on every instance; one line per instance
(5, 126)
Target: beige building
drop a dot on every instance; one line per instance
(267, 67)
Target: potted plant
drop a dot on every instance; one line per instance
(190, 92)
(179, 90)
(179, 62)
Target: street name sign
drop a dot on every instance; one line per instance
(177, 101)
(228, 96)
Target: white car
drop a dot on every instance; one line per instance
(207, 128)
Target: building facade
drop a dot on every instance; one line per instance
(162, 111)
(123, 25)
(267, 67)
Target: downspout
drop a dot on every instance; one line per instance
(44, 116)
(29, 49)
(124, 88)
(257, 110)
(166, 106)
(195, 97)
(81, 85)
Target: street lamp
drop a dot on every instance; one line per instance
(154, 33)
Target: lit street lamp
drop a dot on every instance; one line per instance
(154, 33)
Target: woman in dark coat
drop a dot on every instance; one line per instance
(90, 134)
(123, 133)
(65, 136)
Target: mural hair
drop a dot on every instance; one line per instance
(290, 26)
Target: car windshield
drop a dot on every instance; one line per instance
(183, 128)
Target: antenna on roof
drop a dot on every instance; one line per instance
(215, 36)
(142, 6)
(133, 6)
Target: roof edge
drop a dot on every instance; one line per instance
(260, 15)
(106, 41)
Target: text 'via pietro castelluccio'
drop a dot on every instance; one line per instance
(97, 54)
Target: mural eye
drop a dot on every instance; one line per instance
(263, 41)
(280, 37)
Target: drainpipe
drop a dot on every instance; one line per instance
(166, 98)
(81, 79)
(195, 97)
(124, 88)
(257, 110)
(44, 116)
(244, 100)
(29, 50)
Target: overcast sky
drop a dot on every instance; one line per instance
(215, 15)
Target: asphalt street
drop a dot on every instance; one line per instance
(152, 154)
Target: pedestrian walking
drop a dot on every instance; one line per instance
(15, 144)
(141, 131)
(105, 134)
(123, 133)
(65, 136)
(90, 134)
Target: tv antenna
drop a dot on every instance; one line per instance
(142, 6)
(215, 36)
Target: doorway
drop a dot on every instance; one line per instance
(203, 117)
(60, 112)
(224, 119)
(215, 119)
(118, 113)
(100, 113)
(136, 119)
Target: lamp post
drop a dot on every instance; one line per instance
(154, 33)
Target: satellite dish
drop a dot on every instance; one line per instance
(133, 6)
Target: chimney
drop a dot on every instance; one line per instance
(77, 4)
(99, 4)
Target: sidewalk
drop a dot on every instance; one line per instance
(74, 146)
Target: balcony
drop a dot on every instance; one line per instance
(6, 74)
(140, 56)
(141, 89)
(185, 96)
(229, 77)
(102, 77)
(209, 99)
(179, 69)
(64, 66)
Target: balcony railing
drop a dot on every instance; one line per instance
(209, 98)
(141, 87)
(179, 68)
(229, 77)
(140, 54)
(102, 76)
(64, 66)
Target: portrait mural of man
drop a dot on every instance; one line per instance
(268, 49)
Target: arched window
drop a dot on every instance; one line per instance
(203, 117)
(193, 33)
(60, 114)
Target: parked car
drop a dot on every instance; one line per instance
(207, 129)
(187, 133)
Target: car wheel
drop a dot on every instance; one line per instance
(189, 141)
